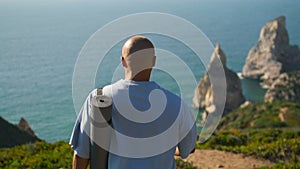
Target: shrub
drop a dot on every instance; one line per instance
(277, 145)
(262, 115)
(37, 155)
(184, 165)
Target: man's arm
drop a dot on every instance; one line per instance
(177, 152)
(80, 141)
(80, 163)
(187, 133)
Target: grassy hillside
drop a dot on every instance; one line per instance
(37, 155)
(266, 130)
(277, 145)
(263, 115)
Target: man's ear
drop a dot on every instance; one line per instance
(124, 64)
(154, 61)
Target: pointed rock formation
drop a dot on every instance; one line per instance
(23, 125)
(207, 98)
(286, 87)
(272, 55)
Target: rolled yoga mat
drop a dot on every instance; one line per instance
(100, 130)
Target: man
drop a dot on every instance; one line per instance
(141, 109)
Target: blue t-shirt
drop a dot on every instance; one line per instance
(149, 122)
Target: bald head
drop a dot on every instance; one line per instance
(135, 44)
(138, 57)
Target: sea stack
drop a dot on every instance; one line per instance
(286, 87)
(205, 97)
(272, 55)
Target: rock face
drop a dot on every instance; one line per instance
(11, 135)
(23, 125)
(272, 55)
(286, 87)
(206, 98)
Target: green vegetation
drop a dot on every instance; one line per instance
(266, 130)
(263, 115)
(183, 164)
(277, 145)
(281, 146)
(43, 155)
(37, 155)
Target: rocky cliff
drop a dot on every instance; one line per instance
(286, 87)
(272, 55)
(206, 98)
(12, 135)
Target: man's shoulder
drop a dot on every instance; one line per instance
(108, 89)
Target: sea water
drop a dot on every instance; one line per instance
(40, 42)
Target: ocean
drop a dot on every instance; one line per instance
(40, 42)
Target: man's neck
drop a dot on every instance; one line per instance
(140, 77)
(137, 79)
